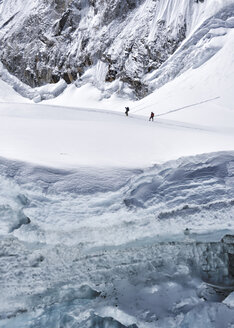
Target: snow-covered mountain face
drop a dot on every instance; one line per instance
(111, 43)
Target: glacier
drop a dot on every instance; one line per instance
(130, 248)
(106, 220)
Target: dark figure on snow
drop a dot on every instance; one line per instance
(126, 110)
(151, 116)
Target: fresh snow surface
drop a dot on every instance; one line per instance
(194, 114)
(8, 94)
(73, 137)
(200, 84)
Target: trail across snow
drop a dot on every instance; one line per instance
(73, 137)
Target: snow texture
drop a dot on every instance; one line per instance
(98, 248)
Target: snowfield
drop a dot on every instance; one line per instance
(114, 221)
(73, 137)
(103, 226)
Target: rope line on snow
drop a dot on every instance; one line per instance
(177, 109)
(192, 105)
(135, 111)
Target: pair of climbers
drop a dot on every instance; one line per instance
(127, 109)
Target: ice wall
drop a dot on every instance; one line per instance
(79, 249)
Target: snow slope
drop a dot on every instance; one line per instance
(213, 79)
(71, 137)
(207, 84)
(114, 221)
(92, 232)
(7, 94)
(95, 232)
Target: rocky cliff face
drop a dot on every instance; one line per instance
(111, 42)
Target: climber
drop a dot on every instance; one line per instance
(151, 116)
(126, 111)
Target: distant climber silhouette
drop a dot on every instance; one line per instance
(127, 110)
(151, 116)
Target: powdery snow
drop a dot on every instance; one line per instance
(212, 80)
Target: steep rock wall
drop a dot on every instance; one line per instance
(43, 41)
